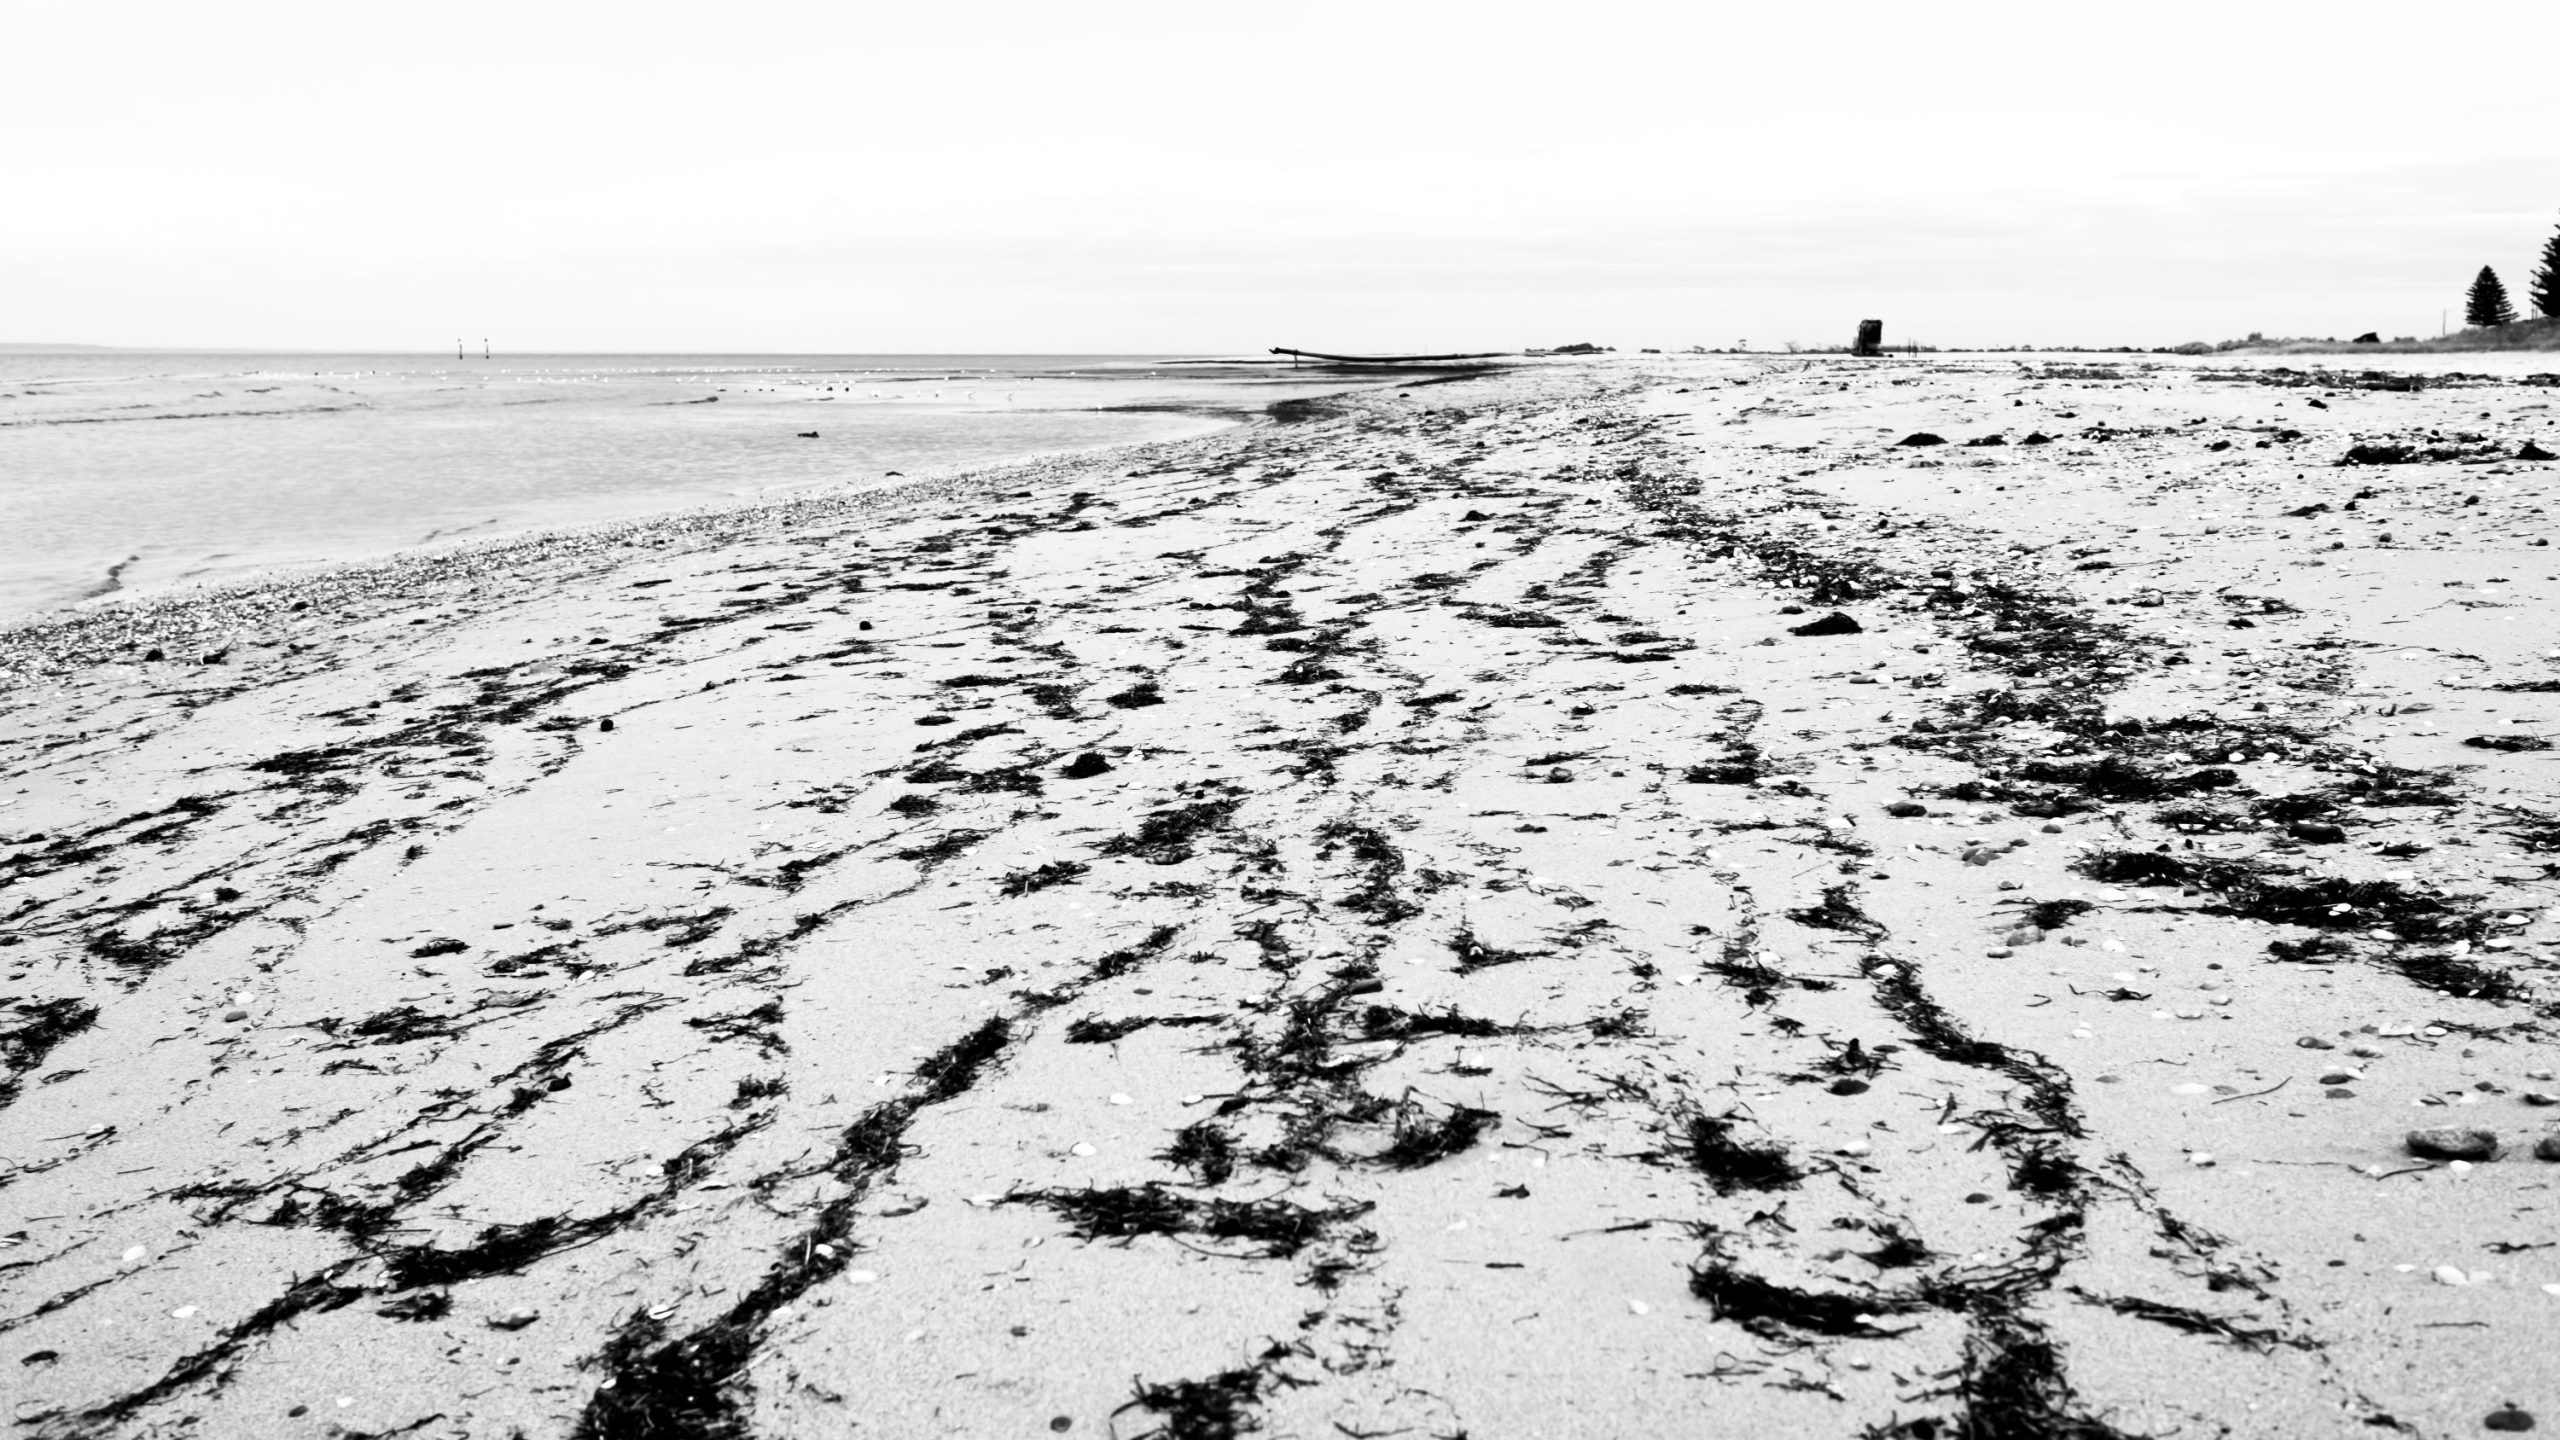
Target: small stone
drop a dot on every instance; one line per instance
(2451, 1275)
(1559, 776)
(2455, 1142)
(2537, 1097)
(2314, 1042)
(235, 1016)
(1086, 766)
(2024, 935)
(515, 1319)
(1906, 809)
(2340, 1075)
(2507, 1417)
(1081, 1147)
(2053, 827)
(2547, 1148)
(2318, 832)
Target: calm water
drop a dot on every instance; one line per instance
(136, 471)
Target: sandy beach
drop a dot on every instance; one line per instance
(1590, 901)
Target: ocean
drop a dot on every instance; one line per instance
(124, 471)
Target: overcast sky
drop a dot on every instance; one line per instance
(1205, 177)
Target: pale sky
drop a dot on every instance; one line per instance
(1203, 177)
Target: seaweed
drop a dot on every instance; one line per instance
(35, 1028)
(1422, 1138)
(1121, 961)
(1055, 872)
(943, 847)
(1122, 1212)
(1709, 1147)
(1388, 1022)
(1168, 837)
(1838, 911)
(954, 1068)
(1090, 1031)
(1213, 1409)
(1205, 1149)
(2011, 1387)
(2054, 914)
(1380, 863)
(1474, 955)
(1773, 1312)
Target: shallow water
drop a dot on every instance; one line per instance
(129, 471)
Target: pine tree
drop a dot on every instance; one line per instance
(2487, 304)
(2546, 281)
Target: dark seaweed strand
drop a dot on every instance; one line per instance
(656, 1386)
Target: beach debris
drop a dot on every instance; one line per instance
(1835, 623)
(2453, 1142)
(2547, 1148)
(1086, 766)
(2507, 1417)
(515, 1319)
(1920, 439)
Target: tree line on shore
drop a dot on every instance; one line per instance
(2487, 304)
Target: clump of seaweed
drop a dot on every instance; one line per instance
(1782, 1313)
(35, 1028)
(1709, 1147)
(1205, 1149)
(1215, 1408)
(1474, 955)
(1838, 911)
(2054, 914)
(1041, 877)
(1168, 837)
(1422, 1138)
(1122, 1212)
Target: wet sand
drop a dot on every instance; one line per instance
(1374, 925)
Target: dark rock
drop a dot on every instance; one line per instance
(2453, 1142)
(605, 724)
(933, 720)
(2532, 451)
(1921, 437)
(2038, 438)
(2547, 1148)
(2507, 1417)
(1906, 809)
(1835, 623)
(1086, 766)
(1472, 516)
(155, 653)
(2509, 743)
(2317, 832)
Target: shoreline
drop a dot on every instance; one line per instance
(1420, 918)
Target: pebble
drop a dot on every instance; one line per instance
(2314, 1042)
(2547, 1148)
(2537, 1097)
(1081, 1147)
(2340, 1075)
(2451, 1275)
(516, 1319)
(2507, 1417)
(2457, 1142)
